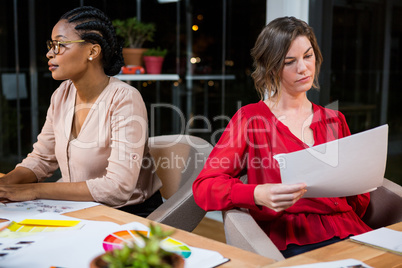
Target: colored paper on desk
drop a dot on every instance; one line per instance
(118, 239)
(348, 166)
(32, 229)
(382, 238)
(49, 223)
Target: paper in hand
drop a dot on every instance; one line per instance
(349, 166)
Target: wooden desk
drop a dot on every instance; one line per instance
(238, 257)
(346, 249)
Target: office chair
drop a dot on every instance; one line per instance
(178, 160)
(242, 231)
(385, 206)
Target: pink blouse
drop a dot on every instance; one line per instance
(110, 151)
(247, 146)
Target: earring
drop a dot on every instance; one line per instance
(90, 58)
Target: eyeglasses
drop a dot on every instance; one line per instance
(58, 46)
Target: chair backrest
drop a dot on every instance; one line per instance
(178, 161)
(242, 231)
(385, 206)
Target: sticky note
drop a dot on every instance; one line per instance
(50, 223)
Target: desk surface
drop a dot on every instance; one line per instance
(238, 257)
(344, 250)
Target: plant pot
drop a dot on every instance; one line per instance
(176, 261)
(153, 64)
(133, 56)
(97, 262)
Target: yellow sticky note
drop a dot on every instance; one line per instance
(50, 223)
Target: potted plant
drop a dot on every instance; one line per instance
(150, 255)
(153, 59)
(134, 33)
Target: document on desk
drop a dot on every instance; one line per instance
(346, 263)
(382, 238)
(18, 211)
(348, 166)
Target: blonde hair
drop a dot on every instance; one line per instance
(270, 50)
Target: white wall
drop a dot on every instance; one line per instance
(280, 8)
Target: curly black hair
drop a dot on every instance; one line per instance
(95, 27)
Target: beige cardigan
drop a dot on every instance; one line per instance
(110, 153)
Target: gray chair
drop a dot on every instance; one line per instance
(179, 159)
(242, 231)
(385, 206)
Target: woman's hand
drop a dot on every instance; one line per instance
(73, 191)
(18, 192)
(278, 197)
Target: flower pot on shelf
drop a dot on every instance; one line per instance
(153, 64)
(133, 56)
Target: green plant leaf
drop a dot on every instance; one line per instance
(134, 32)
(158, 52)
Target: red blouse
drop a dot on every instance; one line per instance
(247, 146)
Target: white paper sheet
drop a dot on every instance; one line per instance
(348, 166)
(383, 238)
(347, 263)
(18, 211)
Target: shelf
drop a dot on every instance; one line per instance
(145, 77)
(211, 77)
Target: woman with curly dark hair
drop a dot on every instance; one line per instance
(96, 129)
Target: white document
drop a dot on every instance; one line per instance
(347, 263)
(18, 211)
(382, 238)
(348, 166)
